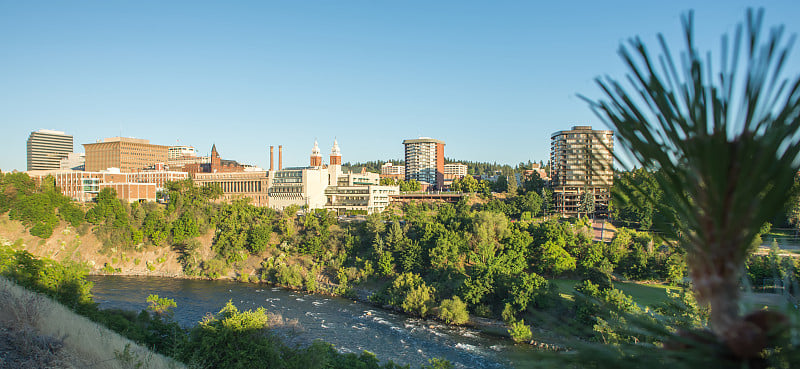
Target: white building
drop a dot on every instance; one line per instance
(317, 186)
(359, 193)
(388, 170)
(456, 170)
(73, 161)
(175, 152)
(359, 199)
(46, 148)
(305, 186)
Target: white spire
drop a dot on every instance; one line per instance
(335, 151)
(315, 150)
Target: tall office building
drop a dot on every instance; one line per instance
(46, 148)
(425, 161)
(581, 169)
(127, 154)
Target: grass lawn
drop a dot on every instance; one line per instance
(642, 294)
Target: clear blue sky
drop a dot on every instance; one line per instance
(493, 79)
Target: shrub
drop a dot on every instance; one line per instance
(160, 305)
(409, 292)
(233, 339)
(108, 269)
(453, 311)
(289, 275)
(310, 280)
(214, 268)
(599, 278)
(520, 332)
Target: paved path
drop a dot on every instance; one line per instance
(604, 228)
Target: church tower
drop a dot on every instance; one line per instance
(335, 167)
(216, 162)
(316, 157)
(336, 155)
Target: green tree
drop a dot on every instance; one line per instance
(160, 305)
(466, 184)
(155, 227)
(184, 228)
(553, 260)
(411, 185)
(501, 185)
(259, 237)
(410, 292)
(453, 311)
(512, 185)
(519, 332)
(587, 204)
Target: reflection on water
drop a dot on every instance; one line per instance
(350, 326)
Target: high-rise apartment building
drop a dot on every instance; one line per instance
(581, 171)
(46, 148)
(425, 161)
(127, 154)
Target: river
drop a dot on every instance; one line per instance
(350, 326)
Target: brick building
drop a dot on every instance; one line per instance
(127, 154)
(130, 187)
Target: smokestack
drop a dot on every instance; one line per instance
(271, 158)
(280, 157)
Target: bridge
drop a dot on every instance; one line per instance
(451, 197)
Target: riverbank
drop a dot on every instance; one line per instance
(350, 326)
(68, 244)
(37, 332)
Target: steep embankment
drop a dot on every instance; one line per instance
(37, 332)
(80, 245)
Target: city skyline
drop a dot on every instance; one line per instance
(493, 80)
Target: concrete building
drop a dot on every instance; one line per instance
(581, 162)
(316, 186)
(73, 161)
(359, 199)
(425, 161)
(46, 148)
(301, 186)
(237, 185)
(305, 186)
(455, 169)
(127, 154)
(359, 193)
(452, 172)
(388, 170)
(175, 152)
